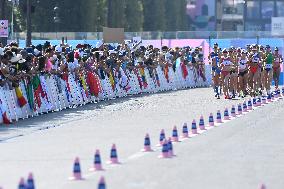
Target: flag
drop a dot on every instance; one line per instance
(21, 99)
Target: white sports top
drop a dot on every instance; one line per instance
(226, 61)
(243, 64)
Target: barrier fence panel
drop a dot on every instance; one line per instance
(45, 93)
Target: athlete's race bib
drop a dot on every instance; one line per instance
(268, 66)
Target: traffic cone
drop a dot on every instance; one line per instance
(240, 111)
(193, 127)
(201, 123)
(170, 148)
(113, 155)
(162, 137)
(175, 135)
(249, 105)
(102, 184)
(262, 186)
(76, 170)
(165, 150)
(97, 162)
(147, 144)
(211, 120)
(219, 117)
(264, 100)
(30, 182)
(184, 131)
(233, 111)
(245, 109)
(254, 102)
(258, 102)
(269, 99)
(226, 114)
(22, 184)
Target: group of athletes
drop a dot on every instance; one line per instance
(238, 72)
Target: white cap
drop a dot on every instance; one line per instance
(58, 49)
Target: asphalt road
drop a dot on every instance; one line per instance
(241, 153)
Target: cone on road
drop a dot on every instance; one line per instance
(240, 111)
(170, 148)
(245, 108)
(264, 100)
(211, 120)
(249, 105)
(185, 131)
(165, 150)
(22, 184)
(162, 137)
(258, 102)
(175, 135)
(147, 144)
(76, 170)
(201, 123)
(254, 102)
(102, 184)
(233, 111)
(97, 162)
(219, 117)
(269, 99)
(30, 182)
(226, 114)
(193, 127)
(113, 155)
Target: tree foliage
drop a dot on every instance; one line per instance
(92, 15)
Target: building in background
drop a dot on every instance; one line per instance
(233, 15)
(201, 15)
(258, 13)
(230, 15)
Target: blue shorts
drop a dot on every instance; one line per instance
(216, 70)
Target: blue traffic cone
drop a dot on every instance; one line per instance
(193, 127)
(22, 184)
(211, 120)
(245, 109)
(165, 150)
(175, 135)
(226, 114)
(97, 164)
(162, 137)
(233, 111)
(249, 105)
(219, 117)
(30, 182)
(185, 131)
(254, 102)
(147, 144)
(76, 170)
(201, 123)
(240, 111)
(113, 155)
(102, 184)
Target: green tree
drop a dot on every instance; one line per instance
(116, 14)
(134, 15)
(154, 15)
